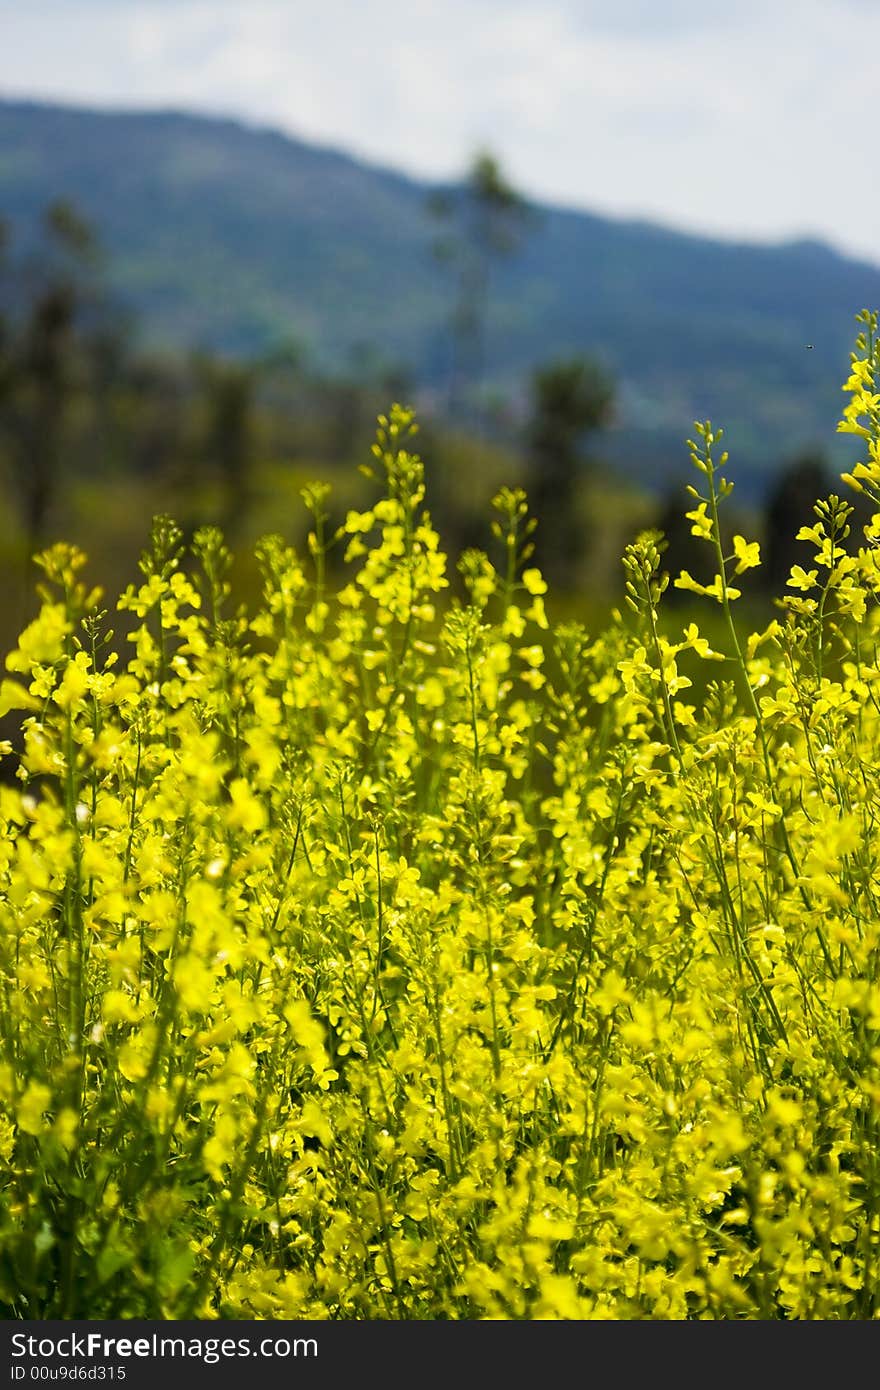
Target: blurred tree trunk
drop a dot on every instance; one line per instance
(570, 399)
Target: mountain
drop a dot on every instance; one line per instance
(228, 236)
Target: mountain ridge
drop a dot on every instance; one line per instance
(233, 236)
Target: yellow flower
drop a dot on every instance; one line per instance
(702, 523)
(748, 554)
(802, 579)
(34, 1102)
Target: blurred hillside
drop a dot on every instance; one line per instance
(240, 240)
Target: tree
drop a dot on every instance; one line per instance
(485, 219)
(570, 400)
(5, 325)
(47, 358)
(229, 393)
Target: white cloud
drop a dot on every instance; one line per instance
(742, 119)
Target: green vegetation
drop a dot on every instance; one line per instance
(379, 954)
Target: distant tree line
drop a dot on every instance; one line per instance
(79, 399)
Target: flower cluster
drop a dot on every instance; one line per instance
(383, 955)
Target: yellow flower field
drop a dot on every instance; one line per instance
(380, 954)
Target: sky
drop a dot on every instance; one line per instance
(747, 119)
